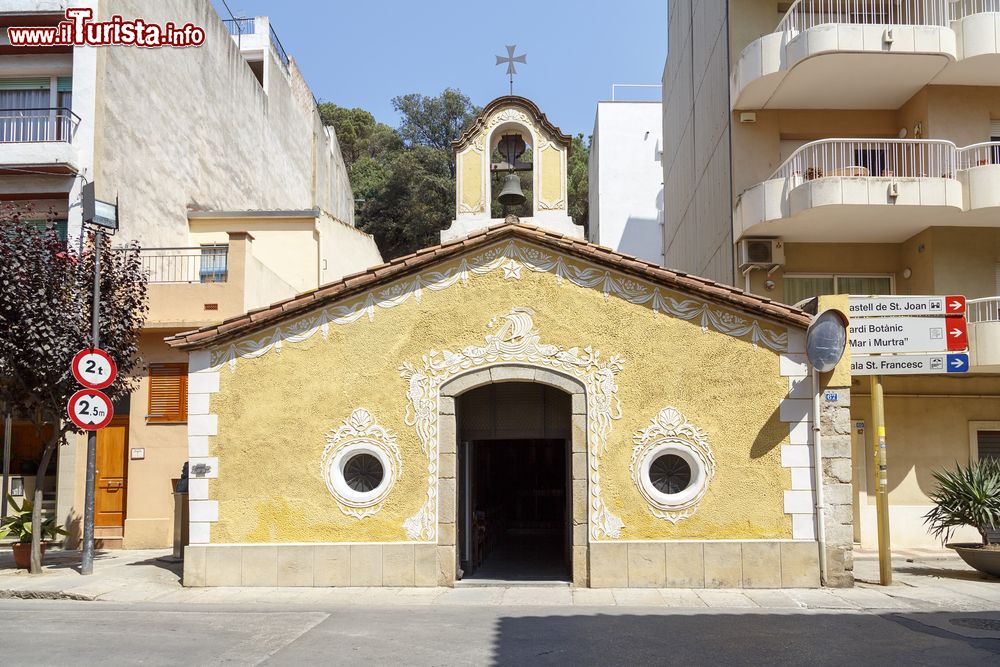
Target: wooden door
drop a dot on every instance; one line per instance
(112, 474)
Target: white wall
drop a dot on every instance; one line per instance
(626, 179)
(698, 232)
(181, 129)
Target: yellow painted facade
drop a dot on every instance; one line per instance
(277, 404)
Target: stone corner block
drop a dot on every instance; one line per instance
(608, 565)
(194, 566)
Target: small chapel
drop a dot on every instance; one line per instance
(514, 404)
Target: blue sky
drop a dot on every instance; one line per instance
(362, 53)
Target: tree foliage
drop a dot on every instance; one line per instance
(577, 181)
(403, 179)
(45, 318)
(966, 496)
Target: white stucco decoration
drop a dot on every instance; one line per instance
(671, 433)
(515, 340)
(359, 434)
(508, 257)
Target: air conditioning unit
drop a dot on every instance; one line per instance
(765, 253)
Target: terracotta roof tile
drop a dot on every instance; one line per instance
(359, 282)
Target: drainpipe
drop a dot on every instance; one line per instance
(818, 468)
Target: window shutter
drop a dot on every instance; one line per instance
(64, 84)
(36, 83)
(989, 444)
(995, 130)
(167, 393)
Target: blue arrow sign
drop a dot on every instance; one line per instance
(958, 363)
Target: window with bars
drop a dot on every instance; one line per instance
(167, 393)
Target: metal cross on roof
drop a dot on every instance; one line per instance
(510, 59)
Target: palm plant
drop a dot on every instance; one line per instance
(966, 496)
(19, 523)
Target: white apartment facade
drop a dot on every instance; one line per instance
(858, 140)
(225, 176)
(626, 178)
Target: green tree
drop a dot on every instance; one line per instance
(414, 202)
(577, 180)
(403, 179)
(434, 121)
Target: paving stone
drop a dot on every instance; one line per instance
(638, 597)
(772, 599)
(593, 597)
(474, 596)
(867, 598)
(819, 599)
(718, 598)
(681, 597)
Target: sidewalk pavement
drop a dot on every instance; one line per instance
(923, 581)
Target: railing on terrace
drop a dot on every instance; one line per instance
(902, 158)
(978, 155)
(961, 8)
(198, 264)
(39, 124)
(279, 49)
(983, 310)
(240, 26)
(806, 14)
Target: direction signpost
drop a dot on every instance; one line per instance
(902, 335)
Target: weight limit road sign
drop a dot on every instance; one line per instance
(908, 334)
(909, 364)
(90, 409)
(94, 368)
(892, 306)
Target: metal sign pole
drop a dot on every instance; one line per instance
(881, 482)
(87, 561)
(6, 463)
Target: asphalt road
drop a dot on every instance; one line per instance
(82, 633)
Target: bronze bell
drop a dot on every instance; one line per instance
(511, 194)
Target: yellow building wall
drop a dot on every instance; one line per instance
(288, 247)
(274, 411)
(472, 181)
(551, 176)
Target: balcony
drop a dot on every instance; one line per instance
(984, 334)
(193, 286)
(38, 137)
(868, 190)
(255, 33)
(979, 172)
(867, 54)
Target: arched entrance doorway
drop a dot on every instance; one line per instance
(518, 431)
(514, 483)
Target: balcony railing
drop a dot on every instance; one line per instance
(902, 158)
(983, 310)
(978, 155)
(240, 26)
(279, 49)
(806, 14)
(961, 8)
(36, 125)
(198, 264)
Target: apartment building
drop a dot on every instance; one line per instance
(626, 178)
(226, 177)
(849, 146)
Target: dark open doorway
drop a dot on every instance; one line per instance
(514, 488)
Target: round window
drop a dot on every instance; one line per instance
(670, 474)
(363, 472)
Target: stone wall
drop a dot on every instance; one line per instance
(835, 429)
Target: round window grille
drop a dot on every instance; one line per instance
(363, 472)
(670, 474)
